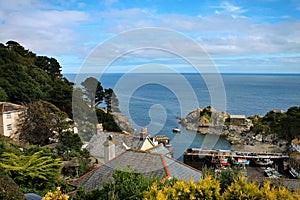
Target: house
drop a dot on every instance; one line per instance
(295, 145)
(9, 116)
(294, 160)
(122, 142)
(238, 119)
(145, 162)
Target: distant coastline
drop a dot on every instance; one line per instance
(66, 74)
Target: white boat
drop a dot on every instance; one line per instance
(264, 162)
(272, 173)
(294, 173)
(223, 161)
(176, 130)
(241, 161)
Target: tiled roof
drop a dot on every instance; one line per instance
(149, 164)
(295, 155)
(295, 141)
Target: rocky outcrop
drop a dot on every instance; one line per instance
(201, 120)
(210, 121)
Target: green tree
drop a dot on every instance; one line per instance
(38, 172)
(9, 190)
(226, 176)
(28, 78)
(69, 141)
(49, 65)
(69, 146)
(93, 91)
(41, 121)
(291, 124)
(111, 100)
(3, 95)
(127, 184)
(107, 121)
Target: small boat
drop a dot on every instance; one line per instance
(272, 173)
(264, 162)
(294, 173)
(241, 161)
(223, 161)
(176, 130)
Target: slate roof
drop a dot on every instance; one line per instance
(96, 147)
(9, 107)
(149, 164)
(161, 149)
(180, 170)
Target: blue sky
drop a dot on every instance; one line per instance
(239, 36)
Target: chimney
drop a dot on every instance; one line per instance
(99, 128)
(143, 133)
(109, 149)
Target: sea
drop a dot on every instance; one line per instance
(155, 100)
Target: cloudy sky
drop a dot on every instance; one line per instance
(239, 36)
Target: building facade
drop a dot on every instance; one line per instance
(294, 160)
(9, 117)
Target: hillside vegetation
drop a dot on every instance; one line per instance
(285, 124)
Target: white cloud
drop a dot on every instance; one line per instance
(52, 30)
(231, 8)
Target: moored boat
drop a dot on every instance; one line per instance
(176, 130)
(294, 173)
(223, 161)
(241, 161)
(264, 162)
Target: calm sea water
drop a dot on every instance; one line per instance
(154, 100)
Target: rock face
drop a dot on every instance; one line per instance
(124, 123)
(201, 120)
(210, 121)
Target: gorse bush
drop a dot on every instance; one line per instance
(209, 188)
(133, 185)
(57, 195)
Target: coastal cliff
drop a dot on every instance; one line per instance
(123, 123)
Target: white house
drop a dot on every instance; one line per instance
(9, 116)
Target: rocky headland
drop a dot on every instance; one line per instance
(237, 129)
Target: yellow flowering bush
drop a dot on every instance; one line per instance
(209, 188)
(57, 195)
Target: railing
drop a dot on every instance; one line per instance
(230, 153)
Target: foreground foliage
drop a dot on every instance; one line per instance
(37, 172)
(57, 195)
(209, 188)
(130, 185)
(9, 190)
(41, 121)
(126, 185)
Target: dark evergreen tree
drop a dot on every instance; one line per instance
(27, 78)
(93, 91)
(41, 121)
(111, 100)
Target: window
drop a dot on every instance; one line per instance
(8, 126)
(8, 115)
